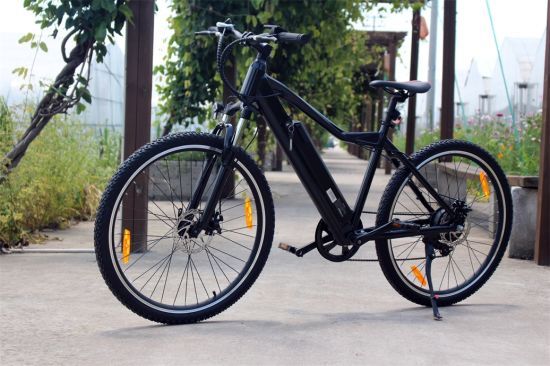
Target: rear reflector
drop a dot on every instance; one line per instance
(419, 276)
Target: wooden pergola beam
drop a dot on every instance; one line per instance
(542, 240)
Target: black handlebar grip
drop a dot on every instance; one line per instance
(297, 38)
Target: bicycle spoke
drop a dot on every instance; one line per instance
(234, 242)
(181, 280)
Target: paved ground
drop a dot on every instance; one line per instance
(55, 308)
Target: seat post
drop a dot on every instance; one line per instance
(392, 114)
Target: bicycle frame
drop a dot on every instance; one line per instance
(342, 221)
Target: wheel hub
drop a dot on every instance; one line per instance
(181, 238)
(448, 241)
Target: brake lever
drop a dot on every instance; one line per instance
(263, 38)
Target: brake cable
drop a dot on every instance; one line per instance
(223, 55)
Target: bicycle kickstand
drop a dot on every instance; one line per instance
(430, 255)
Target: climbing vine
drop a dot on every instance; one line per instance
(325, 71)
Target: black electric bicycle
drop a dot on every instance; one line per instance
(186, 224)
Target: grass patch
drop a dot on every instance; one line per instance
(60, 178)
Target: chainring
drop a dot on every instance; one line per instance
(326, 244)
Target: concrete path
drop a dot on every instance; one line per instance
(56, 310)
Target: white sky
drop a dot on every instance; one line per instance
(474, 38)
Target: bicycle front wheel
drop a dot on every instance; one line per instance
(144, 250)
(468, 179)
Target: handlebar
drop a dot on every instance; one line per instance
(257, 41)
(277, 35)
(297, 38)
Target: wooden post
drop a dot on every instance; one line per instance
(448, 83)
(411, 114)
(137, 117)
(542, 240)
(278, 163)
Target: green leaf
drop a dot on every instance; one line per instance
(20, 71)
(257, 3)
(82, 80)
(126, 11)
(100, 32)
(80, 108)
(43, 46)
(85, 94)
(26, 38)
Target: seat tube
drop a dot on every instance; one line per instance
(387, 123)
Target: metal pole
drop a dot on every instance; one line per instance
(510, 104)
(542, 241)
(448, 82)
(137, 118)
(411, 113)
(430, 97)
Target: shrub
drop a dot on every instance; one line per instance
(520, 157)
(59, 179)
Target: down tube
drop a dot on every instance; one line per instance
(309, 167)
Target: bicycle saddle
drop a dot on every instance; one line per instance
(413, 86)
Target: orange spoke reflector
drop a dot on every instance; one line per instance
(484, 184)
(248, 212)
(126, 242)
(419, 276)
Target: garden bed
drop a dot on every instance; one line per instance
(524, 198)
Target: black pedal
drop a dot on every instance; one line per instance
(299, 252)
(287, 247)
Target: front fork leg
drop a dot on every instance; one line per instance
(430, 255)
(221, 178)
(205, 175)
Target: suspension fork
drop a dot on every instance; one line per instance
(231, 139)
(205, 175)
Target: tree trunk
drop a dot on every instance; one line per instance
(50, 105)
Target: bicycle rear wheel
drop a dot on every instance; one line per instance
(465, 175)
(143, 247)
